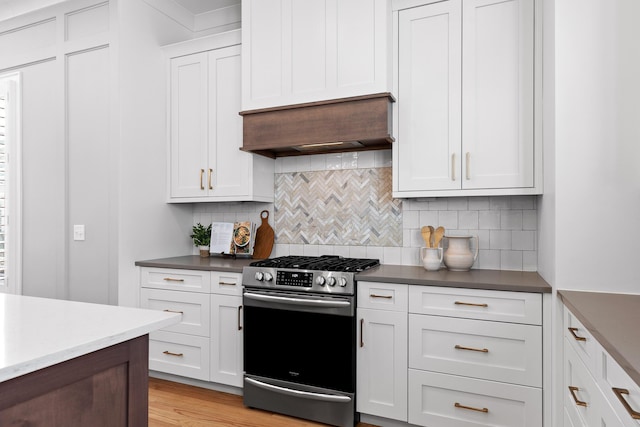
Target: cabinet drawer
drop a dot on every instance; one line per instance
(614, 377)
(505, 352)
(175, 279)
(450, 401)
(503, 306)
(194, 307)
(226, 283)
(179, 354)
(585, 346)
(581, 395)
(383, 296)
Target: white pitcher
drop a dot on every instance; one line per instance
(431, 258)
(458, 256)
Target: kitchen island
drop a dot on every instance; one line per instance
(65, 363)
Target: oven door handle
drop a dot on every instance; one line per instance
(298, 393)
(297, 301)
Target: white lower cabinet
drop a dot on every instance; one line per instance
(465, 357)
(179, 354)
(442, 400)
(226, 339)
(382, 350)
(597, 391)
(207, 343)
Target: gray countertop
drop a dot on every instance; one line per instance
(196, 262)
(518, 281)
(413, 275)
(612, 319)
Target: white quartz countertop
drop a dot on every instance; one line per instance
(36, 333)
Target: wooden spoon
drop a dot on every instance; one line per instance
(427, 231)
(437, 236)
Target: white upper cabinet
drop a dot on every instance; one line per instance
(205, 160)
(465, 77)
(296, 51)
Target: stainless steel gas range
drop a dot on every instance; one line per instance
(300, 336)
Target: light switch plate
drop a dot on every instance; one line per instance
(78, 232)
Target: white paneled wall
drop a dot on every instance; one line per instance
(505, 225)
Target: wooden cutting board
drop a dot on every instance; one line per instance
(264, 238)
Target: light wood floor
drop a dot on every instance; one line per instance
(174, 404)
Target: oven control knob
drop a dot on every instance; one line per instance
(332, 281)
(259, 276)
(343, 282)
(268, 277)
(321, 280)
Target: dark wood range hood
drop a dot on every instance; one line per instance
(339, 125)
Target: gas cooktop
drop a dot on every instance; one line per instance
(325, 262)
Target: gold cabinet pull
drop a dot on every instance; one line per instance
(576, 336)
(619, 392)
(453, 167)
(171, 279)
(471, 408)
(573, 391)
(173, 311)
(227, 283)
(210, 173)
(361, 330)
(168, 353)
(471, 304)
(239, 317)
(467, 167)
(201, 184)
(380, 296)
(481, 350)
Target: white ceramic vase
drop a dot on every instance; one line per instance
(458, 256)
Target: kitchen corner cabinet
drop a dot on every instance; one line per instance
(205, 129)
(207, 343)
(592, 382)
(296, 52)
(382, 350)
(466, 78)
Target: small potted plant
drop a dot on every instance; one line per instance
(201, 236)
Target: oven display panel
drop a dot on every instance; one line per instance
(291, 278)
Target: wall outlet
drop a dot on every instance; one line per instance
(78, 232)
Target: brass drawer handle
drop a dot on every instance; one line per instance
(619, 392)
(573, 332)
(173, 311)
(481, 350)
(168, 353)
(471, 408)
(209, 180)
(380, 296)
(171, 279)
(471, 304)
(573, 391)
(227, 283)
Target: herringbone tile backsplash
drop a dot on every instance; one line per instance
(350, 207)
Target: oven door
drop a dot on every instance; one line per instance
(299, 338)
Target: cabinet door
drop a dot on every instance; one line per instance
(382, 364)
(297, 51)
(497, 93)
(429, 79)
(228, 169)
(188, 124)
(226, 340)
